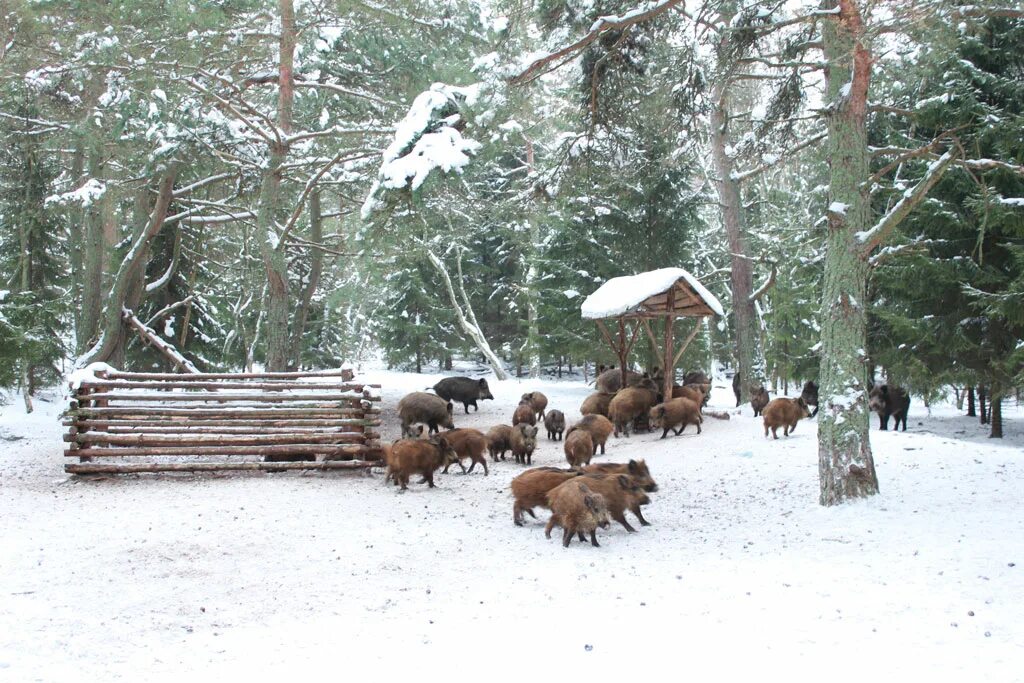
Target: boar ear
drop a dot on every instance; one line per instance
(483, 382)
(584, 488)
(590, 503)
(623, 481)
(632, 467)
(449, 408)
(442, 442)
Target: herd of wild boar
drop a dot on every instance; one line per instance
(584, 496)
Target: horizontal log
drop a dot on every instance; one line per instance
(280, 449)
(200, 376)
(228, 431)
(165, 397)
(105, 385)
(118, 468)
(241, 413)
(216, 439)
(154, 424)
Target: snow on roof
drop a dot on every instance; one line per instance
(621, 294)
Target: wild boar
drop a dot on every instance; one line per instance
(499, 440)
(554, 422)
(889, 401)
(678, 412)
(576, 509)
(420, 406)
(810, 396)
(634, 468)
(610, 381)
(530, 489)
(598, 426)
(596, 404)
(758, 399)
(621, 492)
(418, 456)
(522, 442)
(630, 403)
(736, 387)
(579, 448)
(468, 443)
(539, 402)
(524, 413)
(785, 413)
(694, 392)
(696, 377)
(464, 390)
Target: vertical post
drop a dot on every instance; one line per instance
(669, 363)
(622, 350)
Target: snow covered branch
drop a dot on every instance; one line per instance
(746, 175)
(644, 12)
(181, 191)
(768, 284)
(911, 198)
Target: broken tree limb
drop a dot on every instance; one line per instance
(151, 338)
(167, 309)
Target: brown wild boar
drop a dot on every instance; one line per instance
(694, 392)
(785, 413)
(530, 489)
(630, 403)
(610, 381)
(599, 427)
(418, 456)
(554, 423)
(678, 412)
(524, 413)
(621, 492)
(576, 509)
(579, 448)
(634, 468)
(596, 404)
(420, 406)
(539, 402)
(758, 399)
(499, 440)
(522, 442)
(467, 443)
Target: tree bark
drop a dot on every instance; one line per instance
(749, 357)
(996, 414)
(272, 248)
(92, 260)
(982, 410)
(845, 463)
(312, 280)
(970, 402)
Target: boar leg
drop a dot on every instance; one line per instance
(483, 461)
(550, 526)
(602, 449)
(639, 515)
(582, 536)
(664, 432)
(567, 535)
(766, 431)
(621, 519)
(593, 539)
(698, 426)
(428, 476)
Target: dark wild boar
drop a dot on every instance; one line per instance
(499, 440)
(759, 399)
(785, 413)
(554, 423)
(599, 428)
(678, 412)
(522, 442)
(418, 456)
(634, 468)
(579, 448)
(578, 510)
(530, 489)
(810, 396)
(467, 443)
(464, 390)
(610, 381)
(889, 402)
(539, 402)
(420, 406)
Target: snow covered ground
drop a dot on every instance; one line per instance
(334, 574)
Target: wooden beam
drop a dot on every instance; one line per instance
(669, 361)
(90, 468)
(607, 337)
(650, 335)
(679, 353)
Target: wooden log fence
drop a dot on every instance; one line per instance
(125, 422)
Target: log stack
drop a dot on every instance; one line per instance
(122, 422)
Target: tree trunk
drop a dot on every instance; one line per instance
(996, 414)
(748, 356)
(272, 248)
(316, 262)
(110, 337)
(982, 411)
(845, 464)
(970, 402)
(92, 261)
(530, 270)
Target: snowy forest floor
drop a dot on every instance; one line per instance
(152, 577)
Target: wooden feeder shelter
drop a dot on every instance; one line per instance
(664, 294)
